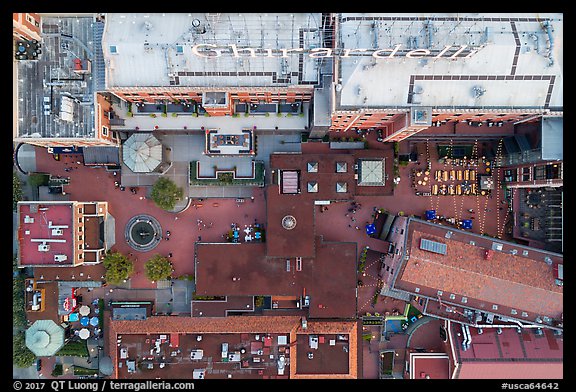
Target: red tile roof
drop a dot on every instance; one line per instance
(523, 283)
(511, 370)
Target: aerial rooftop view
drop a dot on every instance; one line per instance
(288, 196)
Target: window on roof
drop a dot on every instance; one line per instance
(440, 292)
(417, 289)
(452, 296)
(113, 49)
(464, 300)
(494, 307)
(514, 311)
(524, 314)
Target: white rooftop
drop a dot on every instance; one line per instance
(156, 49)
(491, 77)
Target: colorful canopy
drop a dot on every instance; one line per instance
(94, 321)
(84, 333)
(84, 321)
(44, 338)
(370, 229)
(467, 224)
(84, 310)
(430, 214)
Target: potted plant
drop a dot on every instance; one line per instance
(153, 115)
(174, 114)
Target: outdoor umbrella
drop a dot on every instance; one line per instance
(142, 153)
(84, 333)
(84, 321)
(370, 229)
(44, 338)
(467, 224)
(430, 214)
(84, 310)
(94, 321)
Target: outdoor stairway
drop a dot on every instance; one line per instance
(388, 292)
(98, 65)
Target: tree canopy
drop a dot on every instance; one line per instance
(118, 267)
(16, 190)
(21, 356)
(158, 268)
(165, 193)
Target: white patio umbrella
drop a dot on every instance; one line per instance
(84, 333)
(84, 310)
(44, 338)
(142, 153)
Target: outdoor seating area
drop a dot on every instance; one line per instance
(250, 233)
(84, 321)
(457, 177)
(229, 143)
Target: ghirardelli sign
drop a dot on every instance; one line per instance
(214, 51)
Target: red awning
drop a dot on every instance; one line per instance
(174, 339)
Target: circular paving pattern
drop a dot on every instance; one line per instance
(143, 233)
(288, 222)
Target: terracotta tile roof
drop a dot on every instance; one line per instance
(234, 324)
(507, 280)
(511, 370)
(89, 272)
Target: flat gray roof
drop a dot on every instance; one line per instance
(156, 49)
(552, 137)
(517, 60)
(52, 78)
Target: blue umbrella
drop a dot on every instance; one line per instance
(467, 224)
(430, 214)
(94, 321)
(84, 321)
(370, 229)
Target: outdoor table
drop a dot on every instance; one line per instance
(473, 175)
(445, 175)
(458, 189)
(423, 182)
(483, 193)
(452, 174)
(418, 174)
(425, 178)
(434, 189)
(427, 173)
(466, 174)
(459, 175)
(419, 182)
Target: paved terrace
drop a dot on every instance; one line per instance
(519, 286)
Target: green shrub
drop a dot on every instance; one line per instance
(164, 115)
(74, 348)
(58, 370)
(153, 115)
(174, 114)
(246, 114)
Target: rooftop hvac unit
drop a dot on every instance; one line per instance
(57, 232)
(43, 247)
(60, 258)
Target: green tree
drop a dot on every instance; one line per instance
(18, 305)
(16, 190)
(21, 356)
(118, 267)
(158, 268)
(166, 193)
